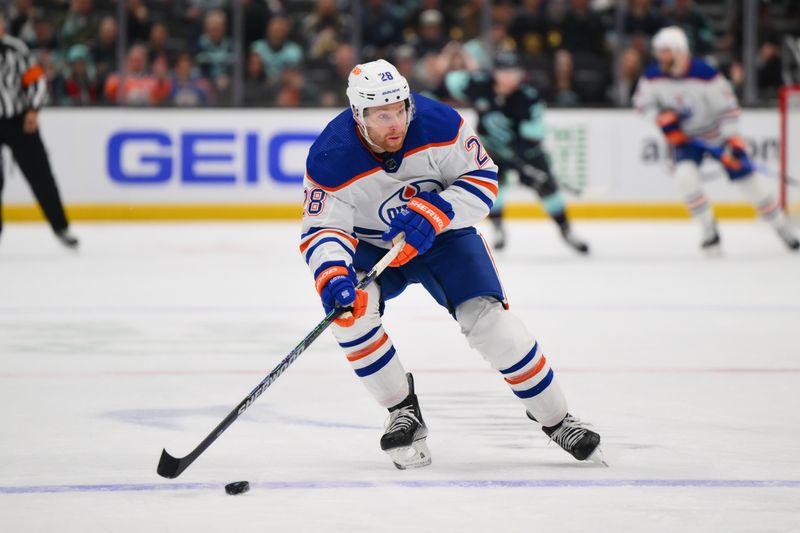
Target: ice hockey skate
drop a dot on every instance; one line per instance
(789, 238)
(572, 241)
(575, 438)
(66, 238)
(404, 438)
(499, 234)
(711, 242)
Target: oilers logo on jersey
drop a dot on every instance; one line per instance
(397, 202)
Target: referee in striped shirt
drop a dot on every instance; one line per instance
(23, 91)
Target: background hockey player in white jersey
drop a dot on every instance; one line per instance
(394, 163)
(699, 114)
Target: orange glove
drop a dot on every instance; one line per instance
(670, 123)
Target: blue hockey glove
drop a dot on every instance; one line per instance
(735, 159)
(336, 285)
(426, 215)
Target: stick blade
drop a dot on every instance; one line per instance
(168, 466)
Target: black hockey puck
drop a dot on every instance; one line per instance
(237, 487)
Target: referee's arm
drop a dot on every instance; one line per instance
(34, 88)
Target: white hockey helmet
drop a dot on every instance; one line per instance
(671, 38)
(375, 84)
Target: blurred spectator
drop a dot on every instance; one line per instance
(138, 22)
(293, 90)
(630, 69)
(470, 19)
(215, 51)
(256, 90)
(324, 28)
(405, 60)
(256, 15)
(198, 9)
(768, 59)
(448, 19)
(499, 39)
(139, 87)
(532, 29)
(77, 84)
(78, 25)
(104, 51)
(22, 21)
(188, 89)
(564, 95)
(642, 19)
(159, 43)
(334, 90)
(430, 37)
(694, 24)
(276, 50)
(381, 28)
(582, 30)
(44, 35)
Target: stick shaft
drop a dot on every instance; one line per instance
(171, 467)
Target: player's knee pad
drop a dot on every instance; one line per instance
(499, 336)
(371, 318)
(687, 176)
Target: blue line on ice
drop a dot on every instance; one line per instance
(415, 484)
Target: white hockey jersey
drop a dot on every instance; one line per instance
(352, 194)
(702, 96)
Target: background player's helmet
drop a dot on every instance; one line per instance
(375, 84)
(505, 59)
(672, 38)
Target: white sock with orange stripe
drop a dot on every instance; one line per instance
(769, 208)
(372, 355)
(504, 341)
(688, 177)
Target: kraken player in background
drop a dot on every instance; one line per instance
(511, 126)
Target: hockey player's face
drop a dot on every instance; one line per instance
(665, 58)
(386, 125)
(506, 80)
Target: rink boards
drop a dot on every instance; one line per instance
(123, 164)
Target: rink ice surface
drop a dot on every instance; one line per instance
(689, 367)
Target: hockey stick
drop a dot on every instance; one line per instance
(716, 152)
(171, 467)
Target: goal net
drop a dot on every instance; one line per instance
(790, 150)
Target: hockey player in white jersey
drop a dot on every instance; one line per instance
(699, 114)
(397, 162)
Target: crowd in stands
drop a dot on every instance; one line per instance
(300, 52)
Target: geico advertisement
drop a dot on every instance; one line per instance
(258, 156)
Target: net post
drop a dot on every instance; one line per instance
(783, 96)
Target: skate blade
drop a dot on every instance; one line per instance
(713, 251)
(598, 457)
(415, 456)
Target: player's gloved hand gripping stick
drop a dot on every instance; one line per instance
(719, 152)
(425, 217)
(172, 467)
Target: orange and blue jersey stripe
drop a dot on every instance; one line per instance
(316, 237)
(480, 183)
